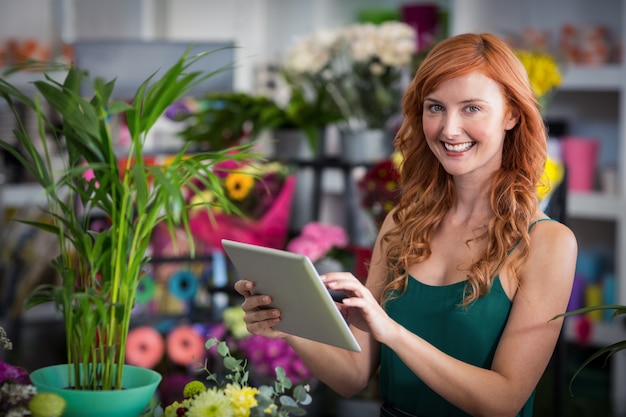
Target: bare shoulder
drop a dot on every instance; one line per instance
(552, 257)
(553, 237)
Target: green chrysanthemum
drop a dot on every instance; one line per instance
(193, 388)
(47, 404)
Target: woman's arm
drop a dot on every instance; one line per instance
(344, 371)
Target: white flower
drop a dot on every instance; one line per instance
(310, 54)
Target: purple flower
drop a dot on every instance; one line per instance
(11, 373)
(177, 111)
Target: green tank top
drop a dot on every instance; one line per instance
(469, 334)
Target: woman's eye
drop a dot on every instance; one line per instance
(435, 108)
(472, 109)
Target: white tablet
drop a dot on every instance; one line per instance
(307, 308)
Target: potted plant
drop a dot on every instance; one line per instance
(100, 270)
(231, 117)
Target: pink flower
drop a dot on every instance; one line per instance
(316, 239)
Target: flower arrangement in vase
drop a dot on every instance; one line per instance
(362, 66)
(99, 270)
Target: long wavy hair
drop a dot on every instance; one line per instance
(428, 190)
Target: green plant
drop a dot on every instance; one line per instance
(609, 350)
(99, 270)
(227, 117)
(233, 394)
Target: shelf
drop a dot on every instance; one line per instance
(590, 78)
(595, 206)
(21, 195)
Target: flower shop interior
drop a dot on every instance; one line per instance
(329, 173)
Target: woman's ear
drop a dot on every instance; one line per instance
(513, 119)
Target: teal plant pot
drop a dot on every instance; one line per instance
(139, 385)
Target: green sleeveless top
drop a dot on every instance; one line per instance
(470, 334)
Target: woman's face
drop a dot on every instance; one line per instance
(465, 120)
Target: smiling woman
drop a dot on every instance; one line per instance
(455, 311)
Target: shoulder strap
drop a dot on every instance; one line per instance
(531, 228)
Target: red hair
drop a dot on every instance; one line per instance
(428, 190)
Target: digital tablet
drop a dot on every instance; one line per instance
(307, 308)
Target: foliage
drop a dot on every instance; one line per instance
(222, 119)
(226, 118)
(232, 395)
(100, 270)
(607, 351)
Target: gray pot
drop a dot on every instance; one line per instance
(293, 144)
(366, 146)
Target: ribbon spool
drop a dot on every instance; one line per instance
(184, 345)
(183, 285)
(144, 347)
(145, 289)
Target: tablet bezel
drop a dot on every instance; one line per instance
(307, 308)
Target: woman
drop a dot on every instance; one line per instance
(467, 272)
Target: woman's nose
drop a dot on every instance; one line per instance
(451, 125)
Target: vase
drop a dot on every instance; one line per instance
(366, 146)
(138, 387)
(294, 145)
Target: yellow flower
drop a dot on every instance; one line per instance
(242, 399)
(210, 403)
(552, 177)
(543, 71)
(238, 185)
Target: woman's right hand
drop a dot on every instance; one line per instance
(260, 319)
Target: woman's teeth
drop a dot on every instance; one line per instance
(459, 147)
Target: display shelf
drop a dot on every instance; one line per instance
(595, 205)
(593, 78)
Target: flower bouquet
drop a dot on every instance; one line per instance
(233, 396)
(261, 194)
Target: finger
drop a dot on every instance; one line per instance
(256, 302)
(244, 287)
